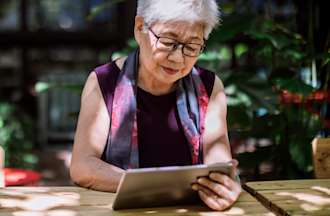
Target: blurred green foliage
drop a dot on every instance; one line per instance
(269, 58)
(17, 137)
(41, 87)
(102, 7)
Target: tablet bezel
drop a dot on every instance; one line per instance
(163, 186)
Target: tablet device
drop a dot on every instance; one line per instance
(163, 186)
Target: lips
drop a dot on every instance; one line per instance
(170, 70)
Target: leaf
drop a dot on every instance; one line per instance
(101, 7)
(30, 158)
(262, 99)
(294, 86)
(209, 56)
(240, 49)
(279, 41)
(41, 87)
(232, 26)
(251, 90)
(326, 59)
(132, 43)
(293, 54)
(15, 134)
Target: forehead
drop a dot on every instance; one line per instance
(180, 30)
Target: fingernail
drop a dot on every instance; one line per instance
(194, 187)
(200, 180)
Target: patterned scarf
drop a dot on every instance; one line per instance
(192, 101)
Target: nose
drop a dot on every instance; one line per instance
(177, 54)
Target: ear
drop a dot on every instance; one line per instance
(138, 28)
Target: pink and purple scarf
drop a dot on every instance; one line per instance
(192, 101)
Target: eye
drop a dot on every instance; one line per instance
(167, 42)
(192, 47)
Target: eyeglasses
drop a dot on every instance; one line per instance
(169, 45)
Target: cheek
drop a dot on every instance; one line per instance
(147, 54)
(147, 57)
(158, 59)
(189, 65)
(185, 73)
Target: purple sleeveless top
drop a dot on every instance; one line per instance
(160, 135)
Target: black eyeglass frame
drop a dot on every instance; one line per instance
(177, 44)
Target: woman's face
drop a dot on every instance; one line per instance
(166, 67)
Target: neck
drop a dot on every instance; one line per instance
(149, 84)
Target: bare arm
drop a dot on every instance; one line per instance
(87, 169)
(218, 191)
(216, 143)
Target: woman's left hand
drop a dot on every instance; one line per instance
(218, 191)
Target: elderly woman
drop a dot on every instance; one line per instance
(155, 107)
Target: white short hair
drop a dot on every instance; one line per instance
(204, 11)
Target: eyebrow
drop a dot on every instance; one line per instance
(172, 34)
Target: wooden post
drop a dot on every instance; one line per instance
(321, 157)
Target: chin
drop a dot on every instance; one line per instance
(171, 79)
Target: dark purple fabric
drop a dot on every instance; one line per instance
(107, 76)
(160, 135)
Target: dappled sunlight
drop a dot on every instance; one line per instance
(312, 202)
(39, 201)
(28, 213)
(11, 191)
(182, 210)
(321, 189)
(151, 212)
(231, 211)
(310, 207)
(158, 211)
(48, 213)
(234, 211)
(268, 214)
(311, 198)
(72, 195)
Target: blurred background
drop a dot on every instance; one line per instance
(272, 55)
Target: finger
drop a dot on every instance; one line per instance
(227, 182)
(194, 186)
(211, 200)
(218, 189)
(224, 180)
(221, 203)
(208, 200)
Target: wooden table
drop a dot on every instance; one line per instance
(72, 201)
(294, 197)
